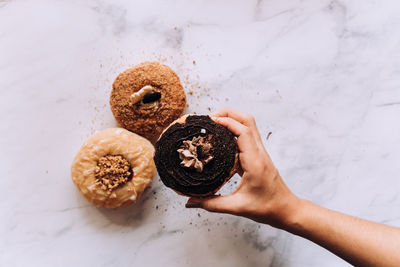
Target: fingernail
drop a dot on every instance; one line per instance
(192, 205)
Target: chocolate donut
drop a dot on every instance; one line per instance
(147, 98)
(195, 156)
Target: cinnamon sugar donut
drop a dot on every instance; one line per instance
(113, 168)
(147, 98)
(195, 156)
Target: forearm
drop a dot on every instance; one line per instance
(360, 242)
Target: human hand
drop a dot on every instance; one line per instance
(262, 195)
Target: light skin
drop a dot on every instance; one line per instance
(264, 197)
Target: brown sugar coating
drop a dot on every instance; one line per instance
(150, 116)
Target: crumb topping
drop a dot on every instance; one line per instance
(148, 119)
(112, 171)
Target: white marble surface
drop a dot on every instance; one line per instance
(322, 75)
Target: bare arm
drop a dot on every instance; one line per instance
(264, 197)
(359, 242)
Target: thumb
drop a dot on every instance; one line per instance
(223, 204)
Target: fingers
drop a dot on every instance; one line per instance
(234, 126)
(243, 118)
(246, 136)
(236, 115)
(223, 204)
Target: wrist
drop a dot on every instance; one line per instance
(287, 214)
(284, 208)
(295, 215)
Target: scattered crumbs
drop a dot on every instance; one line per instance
(190, 92)
(268, 135)
(209, 109)
(157, 207)
(175, 28)
(165, 210)
(163, 226)
(235, 182)
(277, 91)
(101, 65)
(47, 171)
(198, 214)
(226, 99)
(194, 62)
(190, 223)
(154, 192)
(208, 229)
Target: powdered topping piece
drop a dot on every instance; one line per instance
(112, 171)
(196, 153)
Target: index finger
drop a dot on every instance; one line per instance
(243, 118)
(236, 115)
(245, 139)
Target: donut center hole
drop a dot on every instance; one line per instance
(151, 97)
(112, 171)
(148, 96)
(196, 152)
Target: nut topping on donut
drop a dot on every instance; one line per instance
(112, 171)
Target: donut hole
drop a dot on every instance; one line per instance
(151, 97)
(112, 171)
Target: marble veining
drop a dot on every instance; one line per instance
(321, 77)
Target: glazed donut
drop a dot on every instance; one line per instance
(196, 156)
(113, 168)
(147, 98)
